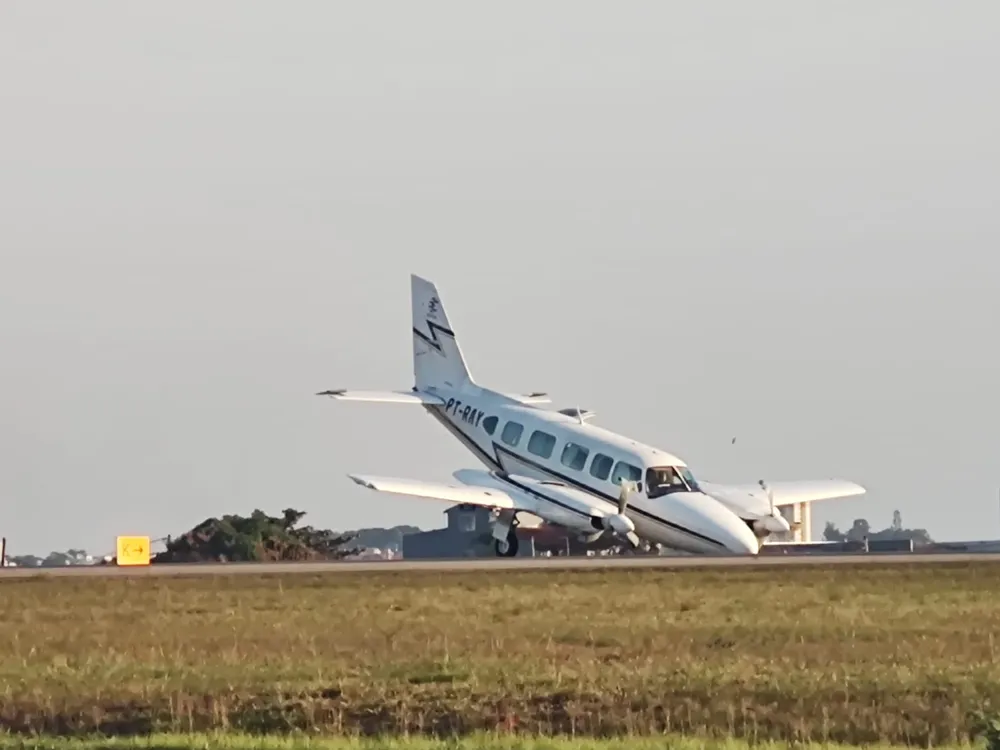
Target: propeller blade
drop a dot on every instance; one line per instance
(623, 497)
(633, 538)
(769, 492)
(776, 523)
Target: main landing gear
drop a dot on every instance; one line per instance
(643, 550)
(505, 542)
(506, 547)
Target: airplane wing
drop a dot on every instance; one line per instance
(487, 497)
(753, 496)
(553, 502)
(811, 490)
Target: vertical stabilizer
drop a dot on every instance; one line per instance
(437, 357)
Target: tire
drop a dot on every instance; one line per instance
(508, 547)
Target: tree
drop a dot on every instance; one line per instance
(861, 528)
(292, 517)
(51, 560)
(255, 538)
(26, 561)
(832, 534)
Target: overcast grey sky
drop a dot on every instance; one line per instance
(770, 220)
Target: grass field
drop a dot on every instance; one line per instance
(892, 654)
(490, 742)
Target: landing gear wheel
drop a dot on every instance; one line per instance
(627, 550)
(506, 547)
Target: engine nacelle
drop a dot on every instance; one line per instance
(776, 524)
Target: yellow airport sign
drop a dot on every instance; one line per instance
(133, 550)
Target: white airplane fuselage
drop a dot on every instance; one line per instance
(515, 439)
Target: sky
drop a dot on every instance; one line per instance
(775, 221)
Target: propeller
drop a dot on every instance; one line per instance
(775, 523)
(621, 523)
(623, 496)
(618, 524)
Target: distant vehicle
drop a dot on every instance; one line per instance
(559, 466)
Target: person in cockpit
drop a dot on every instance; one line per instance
(661, 480)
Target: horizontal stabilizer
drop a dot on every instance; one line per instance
(487, 497)
(385, 397)
(530, 398)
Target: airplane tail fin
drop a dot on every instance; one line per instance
(437, 357)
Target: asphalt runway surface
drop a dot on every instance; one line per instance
(496, 564)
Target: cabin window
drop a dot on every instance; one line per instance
(490, 425)
(600, 467)
(574, 456)
(541, 444)
(511, 433)
(626, 471)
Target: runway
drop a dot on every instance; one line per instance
(492, 564)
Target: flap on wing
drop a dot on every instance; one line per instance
(488, 497)
(386, 397)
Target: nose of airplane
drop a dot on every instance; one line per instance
(708, 518)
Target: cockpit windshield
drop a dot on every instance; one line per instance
(662, 480)
(689, 478)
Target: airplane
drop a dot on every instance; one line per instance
(562, 468)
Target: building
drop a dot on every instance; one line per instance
(799, 516)
(468, 534)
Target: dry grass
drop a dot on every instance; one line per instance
(468, 742)
(857, 655)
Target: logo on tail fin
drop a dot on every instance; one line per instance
(432, 307)
(432, 341)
